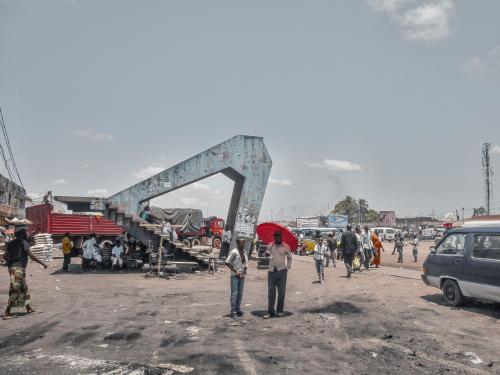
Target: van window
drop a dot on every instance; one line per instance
(389, 231)
(453, 244)
(486, 246)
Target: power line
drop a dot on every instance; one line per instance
(9, 148)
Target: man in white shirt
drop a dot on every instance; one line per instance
(116, 255)
(237, 261)
(88, 248)
(279, 263)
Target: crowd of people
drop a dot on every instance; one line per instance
(106, 255)
(358, 249)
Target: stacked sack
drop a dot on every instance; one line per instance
(43, 247)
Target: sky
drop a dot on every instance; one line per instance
(386, 100)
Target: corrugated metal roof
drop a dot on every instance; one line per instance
(45, 221)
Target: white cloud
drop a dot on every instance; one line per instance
(487, 65)
(337, 165)
(418, 19)
(149, 171)
(200, 186)
(194, 202)
(92, 134)
(274, 181)
(98, 192)
(495, 149)
(60, 181)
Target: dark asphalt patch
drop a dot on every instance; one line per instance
(91, 328)
(77, 338)
(27, 336)
(174, 341)
(124, 336)
(338, 308)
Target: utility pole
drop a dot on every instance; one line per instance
(488, 172)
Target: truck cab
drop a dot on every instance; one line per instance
(465, 264)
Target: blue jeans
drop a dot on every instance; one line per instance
(237, 286)
(319, 265)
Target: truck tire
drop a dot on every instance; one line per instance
(452, 293)
(195, 242)
(186, 243)
(217, 243)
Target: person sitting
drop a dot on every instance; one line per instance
(117, 255)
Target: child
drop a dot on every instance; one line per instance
(414, 243)
(319, 255)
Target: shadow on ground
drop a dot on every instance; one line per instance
(489, 309)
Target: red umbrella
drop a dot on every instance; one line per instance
(266, 231)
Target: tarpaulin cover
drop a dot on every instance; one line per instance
(266, 231)
(189, 219)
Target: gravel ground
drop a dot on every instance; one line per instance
(381, 321)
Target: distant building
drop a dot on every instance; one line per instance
(416, 222)
(12, 200)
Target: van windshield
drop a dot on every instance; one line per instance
(390, 231)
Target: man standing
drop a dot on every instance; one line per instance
(332, 249)
(16, 255)
(237, 261)
(67, 246)
(279, 263)
(88, 248)
(226, 241)
(349, 245)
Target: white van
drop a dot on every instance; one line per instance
(386, 234)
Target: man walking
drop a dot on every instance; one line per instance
(414, 244)
(279, 263)
(367, 246)
(226, 242)
(237, 261)
(331, 242)
(67, 246)
(399, 245)
(349, 245)
(16, 255)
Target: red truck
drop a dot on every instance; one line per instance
(211, 230)
(46, 221)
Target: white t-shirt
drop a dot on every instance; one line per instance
(117, 251)
(89, 248)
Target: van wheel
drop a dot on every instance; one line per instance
(452, 293)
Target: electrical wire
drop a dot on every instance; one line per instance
(9, 148)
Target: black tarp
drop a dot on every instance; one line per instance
(189, 219)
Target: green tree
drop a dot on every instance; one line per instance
(348, 206)
(353, 207)
(371, 216)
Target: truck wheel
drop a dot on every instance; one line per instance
(186, 243)
(195, 242)
(452, 293)
(217, 243)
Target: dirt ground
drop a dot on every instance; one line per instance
(381, 321)
(390, 260)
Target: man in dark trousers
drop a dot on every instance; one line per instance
(332, 248)
(349, 245)
(279, 263)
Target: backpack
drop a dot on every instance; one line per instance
(14, 251)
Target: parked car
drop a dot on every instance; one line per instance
(386, 234)
(466, 264)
